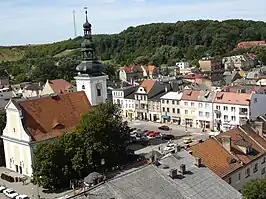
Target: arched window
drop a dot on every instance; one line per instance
(83, 86)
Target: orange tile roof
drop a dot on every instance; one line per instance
(191, 95)
(127, 69)
(249, 44)
(148, 84)
(49, 117)
(150, 68)
(217, 158)
(232, 98)
(59, 86)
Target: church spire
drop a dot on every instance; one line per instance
(86, 25)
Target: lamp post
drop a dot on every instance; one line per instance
(38, 191)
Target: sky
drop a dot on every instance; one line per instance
(46, 21)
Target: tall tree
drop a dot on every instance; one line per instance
(255, 189)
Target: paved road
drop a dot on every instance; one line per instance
(177, 131)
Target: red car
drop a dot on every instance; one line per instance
(153, 134)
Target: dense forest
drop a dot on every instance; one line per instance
(158, 43)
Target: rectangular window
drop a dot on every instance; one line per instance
(192, 103)
(168, 110)
(225, 117)
(247, 172)
(177, 111)
(99, 92)
(229, 180)
(167, 101)
(263, 171)
(173, 110)
(233, 118)
(233, 109)
(218, 107)
(163, 109)
(200, 113)
(163, 101)
(173, 102)
(255, 169)
(239, 176)
(186, 103)
(200, 105)
(207, 114)
(186, 111)
(177, 102)
(225, 108)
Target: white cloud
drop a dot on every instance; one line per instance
(23, 21)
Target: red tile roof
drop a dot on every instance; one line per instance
(148, 84)
(249, 44)
(60, 86)
(190, 95)
(232, 98)
(217, 158)
(49, 117)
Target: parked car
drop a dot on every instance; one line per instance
(22, 197)
(2, 188)
(10, 193)
(164, 127)
(187, 140)
(170, 147)
(153, 134)
(167, 137)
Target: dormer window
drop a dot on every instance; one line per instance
(249, 150)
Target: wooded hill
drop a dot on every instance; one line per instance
(158, 43)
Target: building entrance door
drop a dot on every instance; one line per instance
(16, 168)
(20, 169)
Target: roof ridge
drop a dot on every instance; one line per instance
(243, 130)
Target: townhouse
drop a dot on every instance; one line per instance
(124, 98)
(238, 155)
(147, 90)
(196, 108)
(233, 109)
(170, 107)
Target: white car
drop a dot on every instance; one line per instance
(22, 197)
(10, 193)
(2, 188)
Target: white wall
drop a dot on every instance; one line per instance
(239, 184)
(192, 111)
(16, 142)
(232, 113)
(90, 88)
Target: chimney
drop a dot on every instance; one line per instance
(198, 161)
(226, 142)
(173, 173)
(182, 169)
(259, 127)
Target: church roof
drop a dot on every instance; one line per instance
(49, 117)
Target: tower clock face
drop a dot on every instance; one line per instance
(98, 85)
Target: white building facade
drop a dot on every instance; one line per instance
(170, 107)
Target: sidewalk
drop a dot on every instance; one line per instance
(30, 189)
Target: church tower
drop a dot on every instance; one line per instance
(90, 78)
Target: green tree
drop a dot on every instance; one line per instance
(2, 120)
(101, 134)
(106, 134)
(255, 189)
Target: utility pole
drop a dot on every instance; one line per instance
(74, 21)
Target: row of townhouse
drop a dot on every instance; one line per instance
(154, 101)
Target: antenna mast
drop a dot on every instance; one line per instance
(74, 21)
